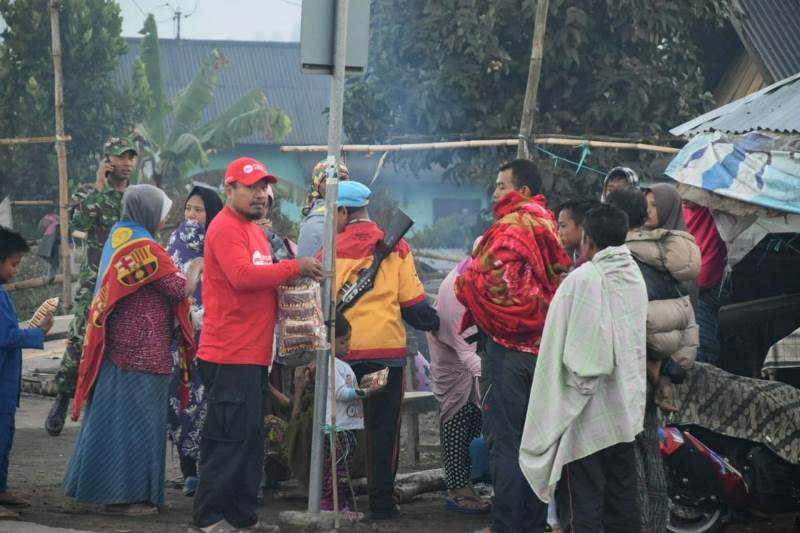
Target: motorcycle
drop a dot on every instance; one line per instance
(712, 478)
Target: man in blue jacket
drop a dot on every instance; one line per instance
(12, 341)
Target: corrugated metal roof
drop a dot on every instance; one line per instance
(774, 108)
(769, 29)
(273, 67)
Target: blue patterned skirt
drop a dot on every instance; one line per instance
(120, 453)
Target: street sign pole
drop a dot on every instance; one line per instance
(329, 253)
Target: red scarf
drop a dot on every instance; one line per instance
(134, 264)
(514, 273)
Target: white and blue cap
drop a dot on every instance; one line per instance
(353, 194)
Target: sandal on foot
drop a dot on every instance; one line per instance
(190, 485)
(352, 516)
(130, 509)
(9, 499)
(455, 504)
(8, 514)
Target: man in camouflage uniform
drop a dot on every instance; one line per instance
(95, 209)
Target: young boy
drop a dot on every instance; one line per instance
(570, 224)
(349, 417)
(588, 396)
(12, 340)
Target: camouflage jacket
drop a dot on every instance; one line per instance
(94, 213)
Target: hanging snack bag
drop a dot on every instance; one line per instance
(301, 324)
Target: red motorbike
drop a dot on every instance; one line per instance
(713, 478)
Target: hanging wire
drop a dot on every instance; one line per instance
(577, 164)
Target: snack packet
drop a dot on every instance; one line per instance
(49, 306)
(301, 326)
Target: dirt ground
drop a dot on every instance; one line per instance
(38, 462)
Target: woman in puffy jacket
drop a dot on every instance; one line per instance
(669, 260)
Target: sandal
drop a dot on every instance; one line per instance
(8, 514)
(129, 509)
(351, 516)
(9, 499)
(455, 504)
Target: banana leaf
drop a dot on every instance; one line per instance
(149, 55)
(197, 96)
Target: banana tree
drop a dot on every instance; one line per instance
(172, 139)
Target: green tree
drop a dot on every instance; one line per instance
(173, 137)
(94, 107)
(447, 69)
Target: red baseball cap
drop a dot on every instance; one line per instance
(248, 171)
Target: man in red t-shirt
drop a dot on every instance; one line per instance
(240, 285)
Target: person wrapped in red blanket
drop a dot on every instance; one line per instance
(507, 290)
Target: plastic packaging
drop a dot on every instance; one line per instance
(49, 306)
(301, 324)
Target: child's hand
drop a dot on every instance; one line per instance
(374, 387)
(302, 377)
(665, 395)
(47, 322)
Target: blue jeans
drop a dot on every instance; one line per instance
(6, 439)
(506, 380)
(710, 301)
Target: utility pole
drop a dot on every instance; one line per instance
(177, 18)
(329, 253)
(61, 153)
(534, 73)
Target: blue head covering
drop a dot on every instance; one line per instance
(353, 194)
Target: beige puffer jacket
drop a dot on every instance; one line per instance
(670, 251)
(671, 327)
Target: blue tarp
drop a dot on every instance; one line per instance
(759, 168)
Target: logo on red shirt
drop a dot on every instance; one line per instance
(260, 259)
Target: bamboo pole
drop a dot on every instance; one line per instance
(35, 140)
(32, 202)
(61, 152)
(488, 143)
(534, 73)
(32, 283)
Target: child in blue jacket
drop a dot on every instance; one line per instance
(12, 340)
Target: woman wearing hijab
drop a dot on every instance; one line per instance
(669, 261)
(309, 241)
(186, 249)
(124, 376)
(664, 208)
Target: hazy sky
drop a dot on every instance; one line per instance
(243, 20)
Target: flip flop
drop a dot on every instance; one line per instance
(9, 499)
(454, 504)
(8, 514)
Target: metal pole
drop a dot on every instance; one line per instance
(329, 252)
(534, 73)
(61, 153)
